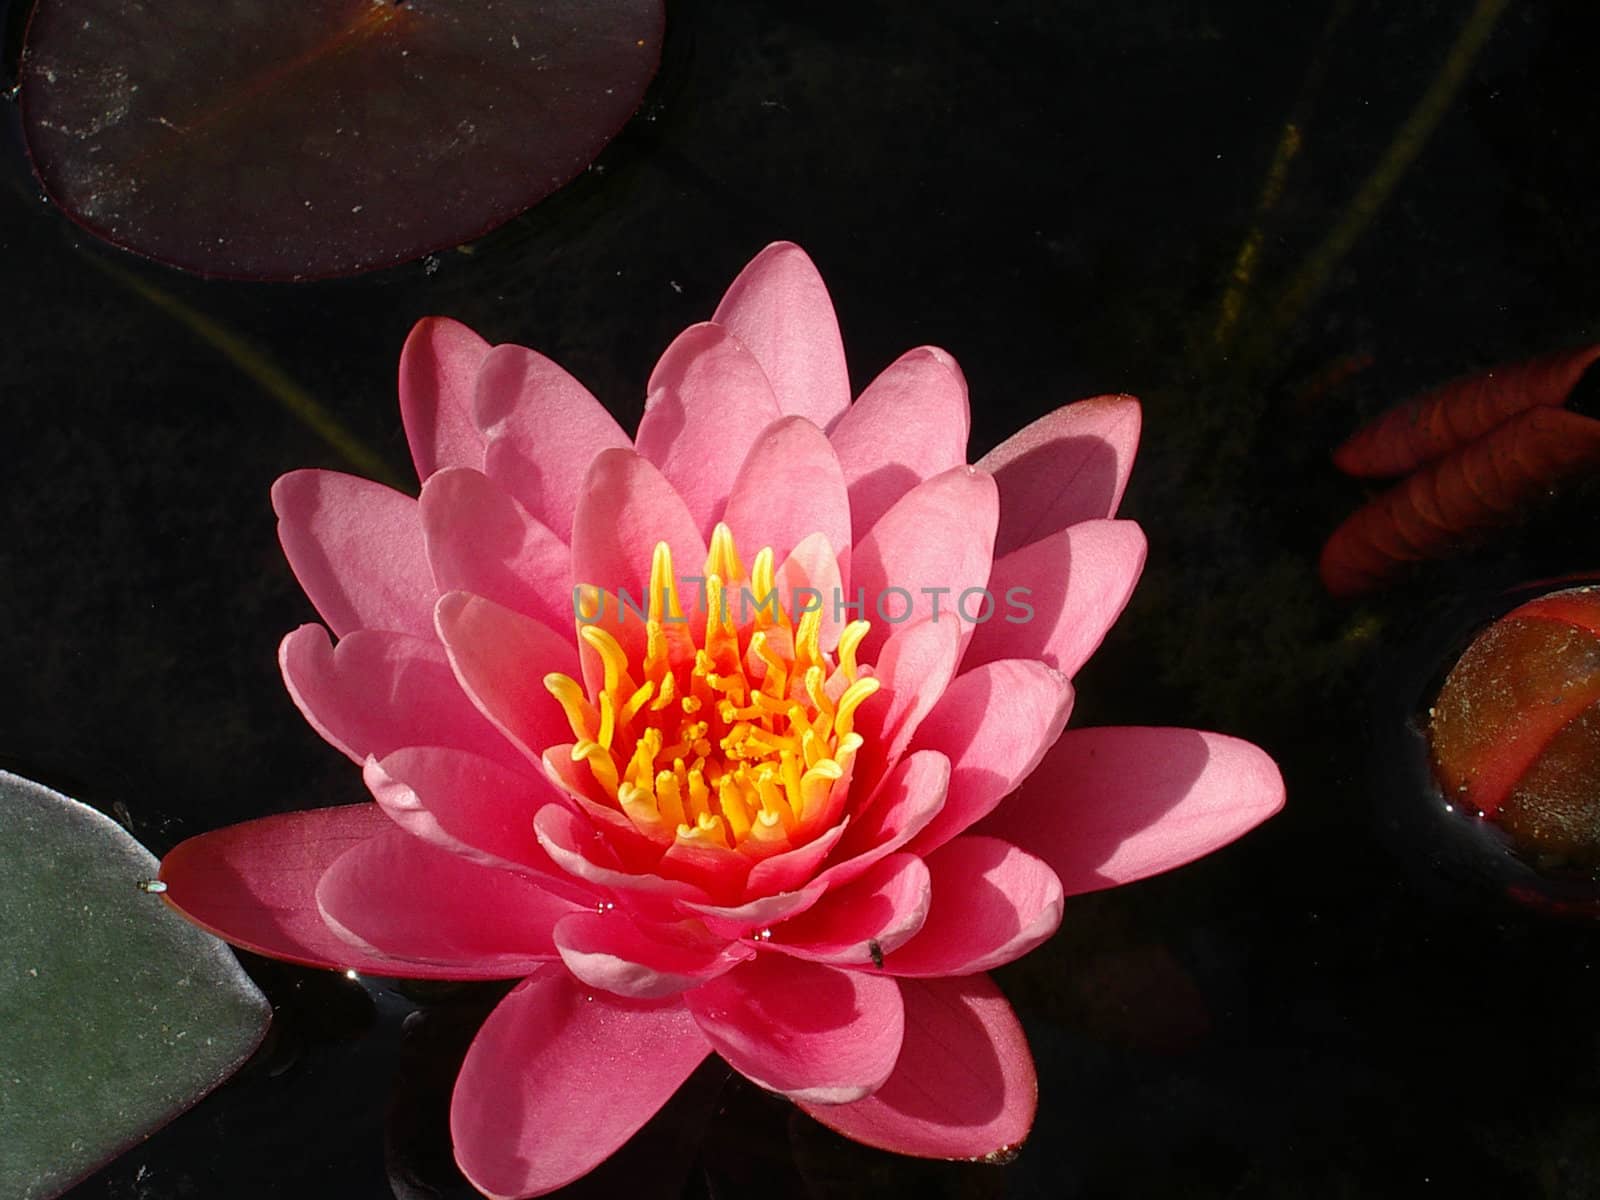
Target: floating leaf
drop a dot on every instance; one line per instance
(247, 140)
(115, 1013)
(1515, 731)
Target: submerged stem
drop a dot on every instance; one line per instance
(1307, 284)
(267, 374)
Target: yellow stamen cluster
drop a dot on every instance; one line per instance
(735, 740)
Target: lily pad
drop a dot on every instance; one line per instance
(249, 139)
(116, 1014)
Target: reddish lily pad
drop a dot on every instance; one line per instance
(1515, 731)
(249, 139)
(116, 1014)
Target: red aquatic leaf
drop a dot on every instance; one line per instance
(1459, 412)
(1515, 730)
(251, 140)
(1454, 500)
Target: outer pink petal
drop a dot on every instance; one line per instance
(991, 903)
(1070, 465)
(356, 547)
(909, 425)
(789, 487)
(543, 430)
(438, 371)
(500, 659)
(994, 724)
(469, 806)
(964, 1086)
(254, 885)
(397, 896)
(1075, 584)
(559, 1077)
(903, 805)
(626, 507)
(708, 401)
(939, 535)
(1109, 806)
(880, 911)
(480, 540)
(377, 692)
(809, 1031)
(779, 308)
(608, 950)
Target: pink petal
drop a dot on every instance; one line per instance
(811, 576)
(882, 910)
(908, 426)
(608, 950)
(991, 903)
(753, 916)
(626, 507)
(469, 806)
(1070, 465)
(254, 885)
(708, 401)
(1074, 583)
(779, 308)
(794, 867)
(903, 805)
(438, 371)
(377, 692)
(543, 429)
(575, 781)
(809, 1031)
(482, 541)
(356, 547)
(964, 1087)
(937, 544)
(789, 487)
(559, 1077)
(396, 896)
(500, 659)
(914, 667)
(994, 724)
(573, 845)
(1109, 806)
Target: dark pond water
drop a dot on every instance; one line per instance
(1334, 1006)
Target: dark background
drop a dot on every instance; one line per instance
(1342, 1004)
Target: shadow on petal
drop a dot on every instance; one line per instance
(1111, 805)
(964, 1086)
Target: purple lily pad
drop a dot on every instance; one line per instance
(252, 139)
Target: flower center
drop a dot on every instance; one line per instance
(742, 739)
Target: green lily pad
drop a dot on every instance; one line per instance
(116, 1014)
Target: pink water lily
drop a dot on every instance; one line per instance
(794, 833)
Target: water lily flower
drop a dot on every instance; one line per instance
(741, 736)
